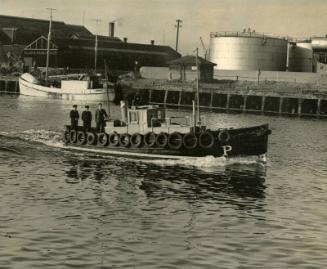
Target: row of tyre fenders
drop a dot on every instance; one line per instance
(175, 141)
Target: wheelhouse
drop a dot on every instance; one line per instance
(144, 119)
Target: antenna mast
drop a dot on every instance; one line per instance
(197, 86)
(48, 44)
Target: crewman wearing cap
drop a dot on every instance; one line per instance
(100, 119)
(74, 116)
(87, 119)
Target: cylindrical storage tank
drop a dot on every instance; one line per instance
(300, 57)
(319, 43)
(248, 51)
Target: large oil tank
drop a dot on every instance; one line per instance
(300, 57)
(248, 51)
(319, 43)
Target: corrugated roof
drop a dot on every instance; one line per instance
(108, 44)
(108, 38)
(190, 60)
(28, 29)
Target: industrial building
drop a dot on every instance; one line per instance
(79, 53)
(73, 46)
(22, 31)
(248, 50)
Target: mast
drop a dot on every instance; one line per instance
(48, 44)
(106, 70)
(96, 45)
(95, 53)
(197, 87)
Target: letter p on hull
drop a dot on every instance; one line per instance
(226, 149)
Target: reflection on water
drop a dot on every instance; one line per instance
(233, 184)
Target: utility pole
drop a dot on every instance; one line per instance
(178, 26)
(96, 45)
(83, 18)
(48, 44)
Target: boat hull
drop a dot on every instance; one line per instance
(97, 95)
(252, 141)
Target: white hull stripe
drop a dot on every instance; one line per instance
(124, 153)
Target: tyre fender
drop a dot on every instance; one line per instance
(81, 138)
(114, 139)
(91, 138)
(175, 140)
(206, 140)
(136, 140)
(190, 141)
(162, 140)
(73, 136)
(125, 140)
(224, 136)
(103, 139)
(150, 139)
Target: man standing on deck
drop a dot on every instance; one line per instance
(87, 119)
(100, 117)
(74, 116)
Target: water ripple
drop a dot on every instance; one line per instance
(62, 209)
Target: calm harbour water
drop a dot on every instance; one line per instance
(61, 209)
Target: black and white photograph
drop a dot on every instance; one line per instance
(163, 134)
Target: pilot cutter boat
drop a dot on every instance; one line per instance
(85, 88)
(147, 132)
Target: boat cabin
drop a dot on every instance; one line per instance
(144, 119)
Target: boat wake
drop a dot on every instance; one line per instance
(211, 161)
(54, 139)
(49, 138)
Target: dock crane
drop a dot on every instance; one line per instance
(205, 51)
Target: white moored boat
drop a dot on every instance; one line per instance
(84, 89)
(69, 90)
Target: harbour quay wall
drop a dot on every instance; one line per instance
(267, 97)
(238, 75)
(9, 85)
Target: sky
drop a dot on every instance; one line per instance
(144, 20)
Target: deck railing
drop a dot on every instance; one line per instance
(246, 34)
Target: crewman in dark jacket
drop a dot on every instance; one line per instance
(100, 119)
(74, 116)
(87, 119)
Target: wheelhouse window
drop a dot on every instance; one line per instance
(155, 118)
(133, 117)
(161, 115)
